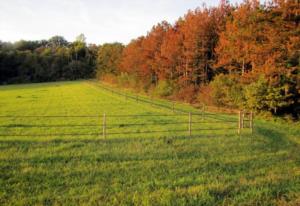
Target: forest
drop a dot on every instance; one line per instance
(244, 56)
(46, 60)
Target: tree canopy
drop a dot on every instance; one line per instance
(46, 60)
(242, 56)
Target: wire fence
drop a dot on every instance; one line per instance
(169, 105)
(124, 124)
(180, 122)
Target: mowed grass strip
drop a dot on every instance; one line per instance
(212, 167)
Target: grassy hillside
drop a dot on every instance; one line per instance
(56, 160)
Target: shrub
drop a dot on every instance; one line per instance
(126, 80)
(187, 94)
(227, 91)
(109, 78)
(262, 96)
(163, 89)
(255, 94)
(205, 96)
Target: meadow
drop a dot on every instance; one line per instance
(53, 152)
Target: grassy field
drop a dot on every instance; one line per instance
(55, 160)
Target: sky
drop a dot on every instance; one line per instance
(101, 21)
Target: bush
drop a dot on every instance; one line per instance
(132, 81)
(255, 94)
(205, 96)
(187, 94)
(109, 78)
(126, 80)
(262, 96)
(227, 91)
(163, 89)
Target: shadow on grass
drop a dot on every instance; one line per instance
(226, 159)
(276, 139)
(114, 139)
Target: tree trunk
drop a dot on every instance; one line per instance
(243, 67)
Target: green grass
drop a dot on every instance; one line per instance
(212, 167)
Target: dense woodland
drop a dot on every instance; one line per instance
(46, 60)
(242, 56)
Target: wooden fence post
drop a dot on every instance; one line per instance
(104, 126)
(242, 121)
(251, 122)
(190, 123)
(239, 122)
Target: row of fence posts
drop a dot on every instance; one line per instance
(241, 122)
(241, 117)
(151, 100)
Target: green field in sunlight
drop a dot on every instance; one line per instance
(53, 152)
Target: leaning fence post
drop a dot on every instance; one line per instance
(104, 126)
(190, 123)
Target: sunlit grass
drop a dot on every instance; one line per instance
(212, 167)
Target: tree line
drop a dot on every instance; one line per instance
(46, 60)
(242, 56)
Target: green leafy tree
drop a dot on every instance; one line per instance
(57, 41)
(276, 98)
(255, 94)
(261, 95)
(163, 89)
(108, 59)
(227, 91)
